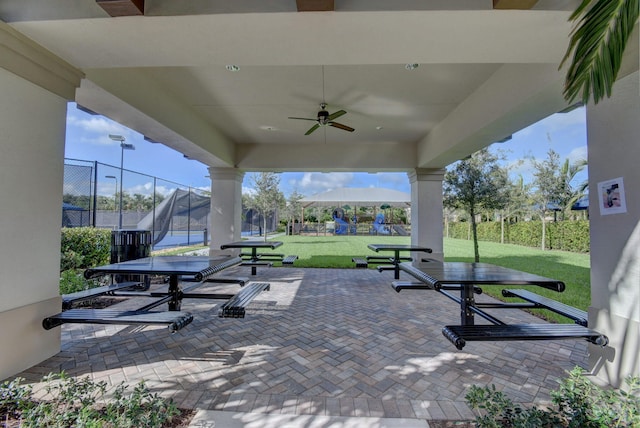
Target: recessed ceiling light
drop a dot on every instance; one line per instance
(232, 67)
(411, 66)
(378, 127)
(269, 128)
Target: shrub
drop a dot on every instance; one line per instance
(561, 235)
(72, 402)
(72, 280)
(84, 247)
(579, 403)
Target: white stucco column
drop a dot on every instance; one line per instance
(613, 131)
(226, 207)
(426, 210)
(35, 87)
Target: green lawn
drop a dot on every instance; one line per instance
(572, 268)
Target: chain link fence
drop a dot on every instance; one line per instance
(100, 195)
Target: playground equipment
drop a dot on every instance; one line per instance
(378, 225)
(341, 226)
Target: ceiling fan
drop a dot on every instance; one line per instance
(326, 119)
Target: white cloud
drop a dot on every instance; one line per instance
(572, 122)
(96, 129)
(317, 182)
(579, 153)
(522, 167)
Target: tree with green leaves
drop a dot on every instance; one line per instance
(267, 197)
(293, 210)
(517, 195)
(548, 188)
(596, 47)
(474, 184)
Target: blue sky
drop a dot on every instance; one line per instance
(88, 139)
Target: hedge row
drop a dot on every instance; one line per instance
(84, 247)
(561, 235)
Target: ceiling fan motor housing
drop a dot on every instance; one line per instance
(323, 117)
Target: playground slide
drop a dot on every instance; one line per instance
(378, 225)
(400, 230)
(341, 226)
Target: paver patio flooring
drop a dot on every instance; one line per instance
(333, 342)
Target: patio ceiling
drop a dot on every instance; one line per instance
(484, 71)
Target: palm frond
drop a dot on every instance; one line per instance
(596, 47)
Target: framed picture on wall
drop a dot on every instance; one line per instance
(611, 196)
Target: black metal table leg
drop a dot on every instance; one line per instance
(396, 262)
(467, 302)
(175, 292)
(254, 259)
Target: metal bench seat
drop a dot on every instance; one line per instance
(419, 285)
(289, 260)
(418, 274)
(175, 320)
(577, 315)
(376, 259)
(460, 334)
(256, 263)
(360, 262)
(235, 307)
(410, 285)
(241, 280)
(69, 299)
(263, 256)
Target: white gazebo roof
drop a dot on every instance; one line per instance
(362, 196)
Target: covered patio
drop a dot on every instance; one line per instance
(330, 342)
(422, 84)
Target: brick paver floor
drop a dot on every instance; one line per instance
(337, 342)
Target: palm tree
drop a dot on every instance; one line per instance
(596, 47)
(571, 195)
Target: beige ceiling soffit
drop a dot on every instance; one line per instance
(25, 58)
(315, 5)
(122, 7)
(514, 4)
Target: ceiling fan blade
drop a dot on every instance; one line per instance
(336, 114)
(313, 128)
(303, 118)
(341, 126)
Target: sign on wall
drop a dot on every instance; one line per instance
(611, 194)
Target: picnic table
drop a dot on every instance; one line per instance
(195, 268)
(185, 273)
(255, 259)
(396, 259)
(469, 278)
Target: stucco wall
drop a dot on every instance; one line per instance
(613, 129)
(32, 121)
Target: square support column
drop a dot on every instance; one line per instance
(31, 175)
(613, 133)
(226, 207)
(426, 210)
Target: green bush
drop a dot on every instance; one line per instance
(72, 402)
(84, 247)
(579, 403)
(72, 280)
(561, 235)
